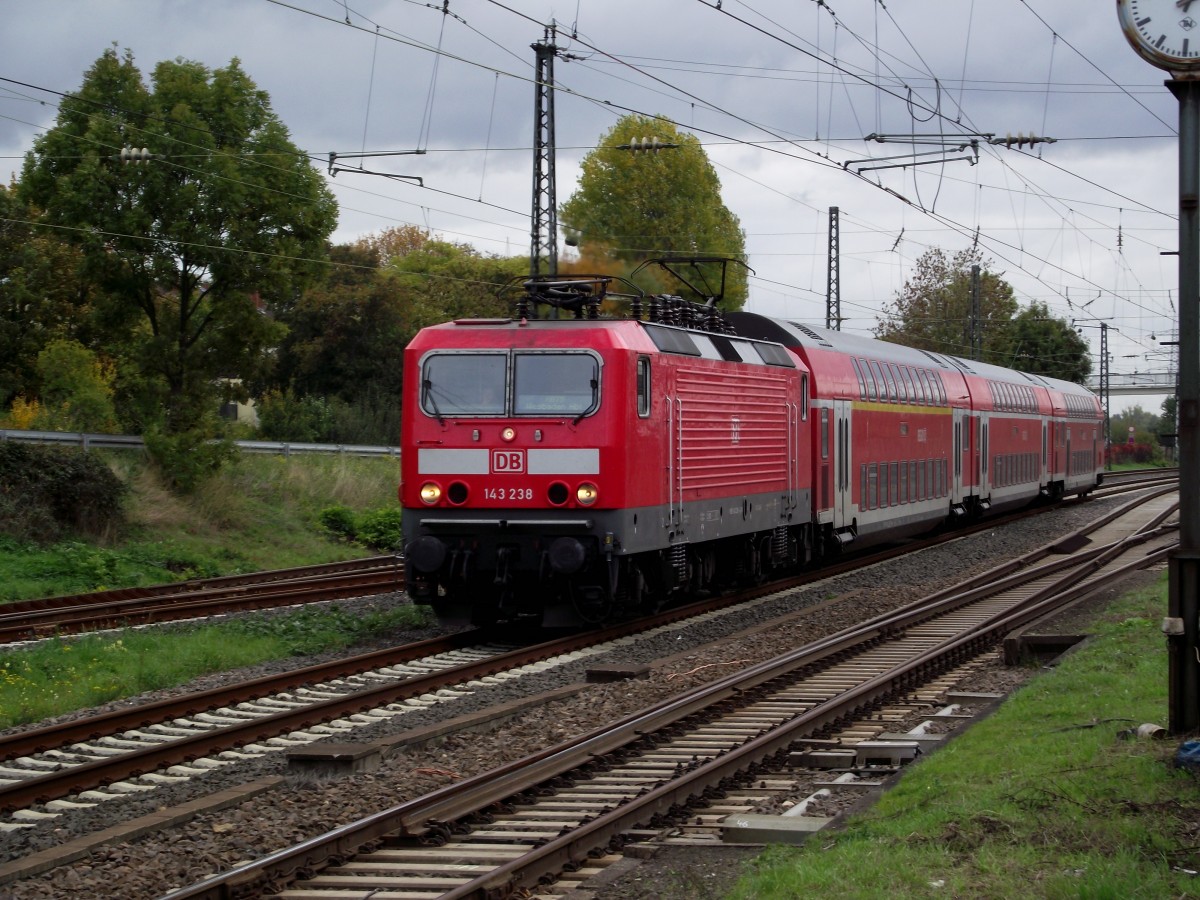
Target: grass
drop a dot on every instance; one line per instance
(1042, 799)
(261, 512)
(58, 676)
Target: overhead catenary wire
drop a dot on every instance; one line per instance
(343, 9)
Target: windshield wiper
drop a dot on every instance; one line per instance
(427, 387)
(590, 406)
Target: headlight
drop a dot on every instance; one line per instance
(586, 494)
(430, 493)
(508, 434)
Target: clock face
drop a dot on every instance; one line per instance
(1165, 32)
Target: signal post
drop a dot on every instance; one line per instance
(1162, 33)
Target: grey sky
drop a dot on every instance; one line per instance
(781, 92)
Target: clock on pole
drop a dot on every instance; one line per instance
(1165, 33)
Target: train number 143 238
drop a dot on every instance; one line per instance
(508, 493)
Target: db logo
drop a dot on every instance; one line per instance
(508, 461)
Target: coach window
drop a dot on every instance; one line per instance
(941, 388)
(824, 433)
(555, 384)
(862, 382)
(923, 386)
(464, 384)
(894, 377)
(909, 387)
(804, 397)
(643, 386)
(880, 382)
(870, 379)
(893, 393)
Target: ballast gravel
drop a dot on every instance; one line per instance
(211, 842)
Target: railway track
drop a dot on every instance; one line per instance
(37, 619)
(505, 832)
(49, 772)
(34, 619)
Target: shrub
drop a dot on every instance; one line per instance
(77, 389)
(46, 492)
(286, 417)
(185, 459)
(339, 520)
(24, 413)
(372, 417)
(1142, 453)
(379, 528)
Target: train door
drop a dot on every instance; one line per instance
(843, 510)
(1044, 473)
(961, 450)
(1052, 441)
(985, 489)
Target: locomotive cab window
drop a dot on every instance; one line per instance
(643, 386)
(555, 384)
(464, 384)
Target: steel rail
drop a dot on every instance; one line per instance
(141, 611)
(663, 801)
(38, 740)
(201, 584)
(91, 775)
(47, 617)
(431, 814)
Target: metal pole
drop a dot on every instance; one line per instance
(833, 284)
(543, 242)
(1105, 392)
(976, 331)
(1182, 625)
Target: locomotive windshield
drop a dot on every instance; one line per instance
(555, 384)
(464, 384)
(543, 383)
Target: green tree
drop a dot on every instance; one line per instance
(933, 310)
(1141, 444)
(42, 296)
(441, 280)
(76, 389)
(340, 367)
(1144, 423)
(1168, 423)
(226, 218)
(633, 206)
(1038, 342)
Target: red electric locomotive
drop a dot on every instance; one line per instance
(578, 468)
(583, 468)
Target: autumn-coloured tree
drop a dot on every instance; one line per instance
(634, 205)
(933, 312)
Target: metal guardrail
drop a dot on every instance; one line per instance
(132, 442)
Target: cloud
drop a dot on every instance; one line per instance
(782, 94)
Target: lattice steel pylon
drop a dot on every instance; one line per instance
(1105, 388)
(543, 242)
(833, 284)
